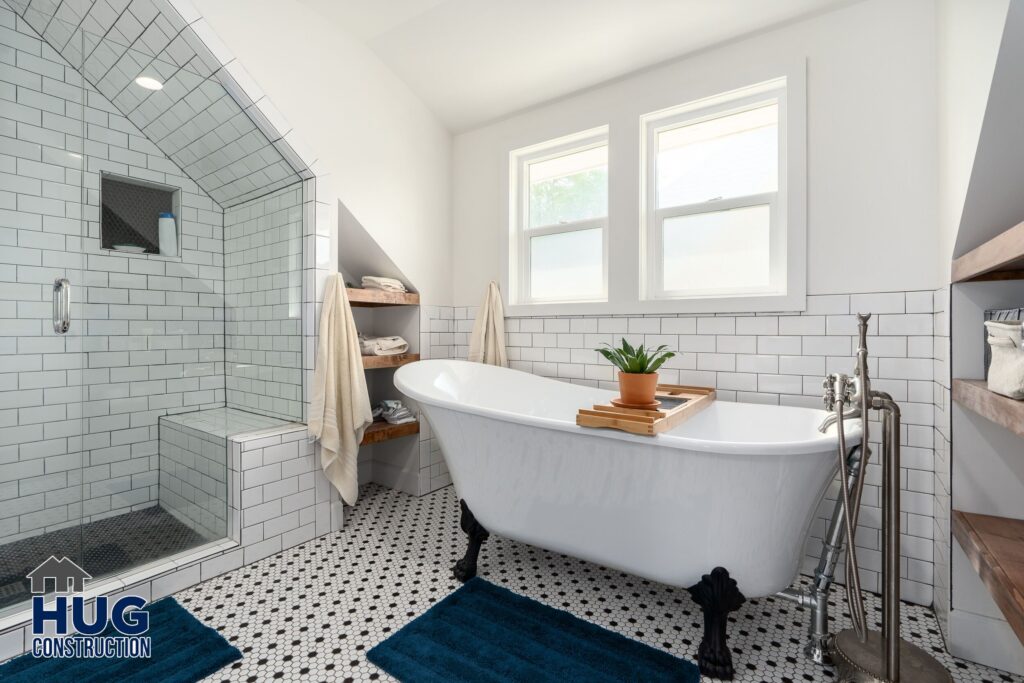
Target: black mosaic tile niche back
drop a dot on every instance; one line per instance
(130, 213)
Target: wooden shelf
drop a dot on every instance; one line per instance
(995, 547)
(1001, 258)
(375, 362)
(974, 395)
(379, 432)
(372, 298)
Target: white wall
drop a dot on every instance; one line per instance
(969, 34)
(388, 157)
(994, 201)
(872, 130)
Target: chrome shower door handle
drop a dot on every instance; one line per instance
(61, 305)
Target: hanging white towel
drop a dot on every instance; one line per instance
(487, 342)
(340, 409)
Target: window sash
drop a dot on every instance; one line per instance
(776, 256)
(524, 233)
(653, 218)
(526, 258)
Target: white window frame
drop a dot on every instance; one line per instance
(519, 213)
(623, 120)
(653, 218)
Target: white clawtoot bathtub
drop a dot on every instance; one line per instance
(736, 485)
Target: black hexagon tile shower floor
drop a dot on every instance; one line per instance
(312, 612)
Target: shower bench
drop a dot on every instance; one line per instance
(201, 467)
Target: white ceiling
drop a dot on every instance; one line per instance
(472, 61)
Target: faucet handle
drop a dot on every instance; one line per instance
(829, 385)
(838, 386)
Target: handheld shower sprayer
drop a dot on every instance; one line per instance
(860, 654)
(841, 391)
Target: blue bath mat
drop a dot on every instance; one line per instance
(485, 633)
(184, 650)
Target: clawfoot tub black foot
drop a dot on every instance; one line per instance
(717, 596)
(465, 569)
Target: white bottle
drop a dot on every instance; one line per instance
(168, 233)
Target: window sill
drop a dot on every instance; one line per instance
(789, 303)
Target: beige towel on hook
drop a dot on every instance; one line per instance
(487, 342)
(340, 410)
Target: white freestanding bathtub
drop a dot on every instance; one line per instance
(735, 486)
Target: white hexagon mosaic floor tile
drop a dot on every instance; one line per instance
(312, 612)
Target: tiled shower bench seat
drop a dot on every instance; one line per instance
(194, 468)
(277, 496)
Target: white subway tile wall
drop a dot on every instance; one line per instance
(771, 358)
(263, 292)
(943, 463)
(78, 413)
(437, 340)
(224, 136)
(194, 478)
(283, 497)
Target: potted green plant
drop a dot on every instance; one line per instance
(638, 370)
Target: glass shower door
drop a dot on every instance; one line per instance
(42, 365)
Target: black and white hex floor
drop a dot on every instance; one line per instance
(312, 612)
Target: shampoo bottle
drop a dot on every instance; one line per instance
(168, 234)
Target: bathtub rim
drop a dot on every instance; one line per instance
(815, 446)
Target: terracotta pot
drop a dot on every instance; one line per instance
(637, 389)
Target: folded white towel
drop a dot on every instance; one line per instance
(382, 346)
(389, 284)
(340, 408)
(394, 412)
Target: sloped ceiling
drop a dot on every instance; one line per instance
(994, 201)
(472, 61)
(201, 118)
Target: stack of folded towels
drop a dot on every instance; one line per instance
(382, 346)
(393, 412)
(388, 284)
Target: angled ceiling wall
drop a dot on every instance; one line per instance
(202, 119)
(969, 33)
(994, 200)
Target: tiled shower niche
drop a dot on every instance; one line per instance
(130, 210)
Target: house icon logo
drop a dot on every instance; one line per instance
(67, 576)
(63, 627)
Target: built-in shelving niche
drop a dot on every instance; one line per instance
(130, 209)
(987, 439)
(390, 454)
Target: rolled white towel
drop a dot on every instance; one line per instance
(382, 346)
(389, 284)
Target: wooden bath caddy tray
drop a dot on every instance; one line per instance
(678, 403)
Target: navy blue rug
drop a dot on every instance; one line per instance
(184, 650)
(483, 632)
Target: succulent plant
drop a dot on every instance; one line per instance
(636, 360)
